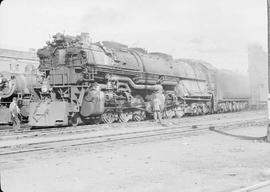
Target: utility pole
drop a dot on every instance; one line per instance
(0, 185)
(268, 100)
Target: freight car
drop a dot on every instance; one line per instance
(18, 85)
(107, 81)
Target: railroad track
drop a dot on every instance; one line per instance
(161, 132)
(27, 132)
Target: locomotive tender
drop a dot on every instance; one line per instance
(107, 81)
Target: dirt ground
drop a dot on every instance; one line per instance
(208, 162)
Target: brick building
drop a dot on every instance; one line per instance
(258, 75)
(17, 61)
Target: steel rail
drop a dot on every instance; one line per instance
(89, 128)
(90, 140)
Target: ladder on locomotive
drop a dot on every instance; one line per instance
(92, 71)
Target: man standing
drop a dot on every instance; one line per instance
(158, 103)
(14, 110)
(157, 108)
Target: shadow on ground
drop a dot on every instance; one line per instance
(243, 137)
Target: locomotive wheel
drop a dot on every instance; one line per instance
(138, 116)
(125, 117)
(75, 119)
(205, 109)
(200, 111)
(179, 113)
(86, 120)
(108, 117)
(169, 114)
(239, 107)
(91, 120)
(235, 107)
(195, 111)
(96, 120)
(243, 106)
(229, 107)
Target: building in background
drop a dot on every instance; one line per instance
(258, 75)
(18, 61)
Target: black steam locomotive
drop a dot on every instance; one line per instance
(107, 81)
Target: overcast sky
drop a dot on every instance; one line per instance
(217, 31)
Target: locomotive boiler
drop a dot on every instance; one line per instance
(18, 85)
(108, 81)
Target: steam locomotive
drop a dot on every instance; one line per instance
(18, 85)
(87, 82)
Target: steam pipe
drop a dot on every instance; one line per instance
(132, 84)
